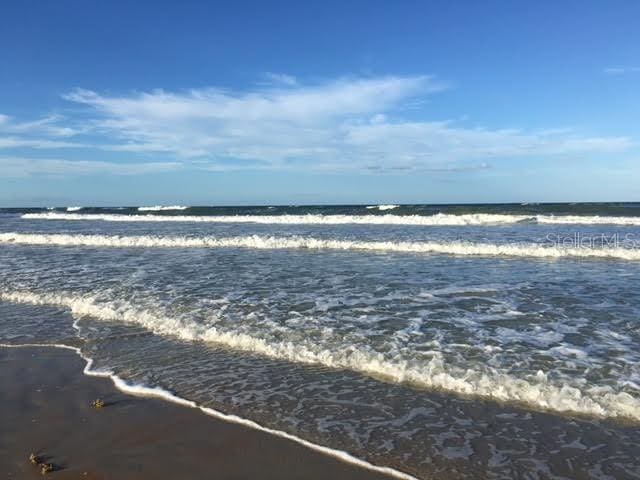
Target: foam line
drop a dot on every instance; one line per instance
(309, 219)
(484, 382)
(310, 243)
(161, 208)
(383, 207)
(440, 219)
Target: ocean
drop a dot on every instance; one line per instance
(461, 341)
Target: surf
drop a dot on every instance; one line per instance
(458, 248)
(439, 219)
(534, 391)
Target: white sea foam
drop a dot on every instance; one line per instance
(73, 209)
(483, 381)
(310, 243)
(382, 207)
(161, 208)
(145, 391)
(587, 220)
(440, 219)
(308, 219)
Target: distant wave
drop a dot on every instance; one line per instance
(388, 219)
(439, 219)
(161, 208)
(586, 220)
(272, 242)
(537, 392)
(382, 207)
(73, 209)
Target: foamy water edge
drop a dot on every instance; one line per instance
(139, 390)
(598, 401)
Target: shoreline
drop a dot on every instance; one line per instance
(46, 387)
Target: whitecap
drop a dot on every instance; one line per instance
(161, 208)
(310, 243)
(383, 207)
(439, 219)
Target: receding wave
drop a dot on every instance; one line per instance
(141, 390)
(310, 243)
(535, 391)
(161, 208)
(440, 219)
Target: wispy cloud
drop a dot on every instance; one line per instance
(621, 70)
(419, 143)
(37, 143)
(280, 79)
(358, 124)
(50, 132)
(51, 125)
(14, 167)
(348, 123)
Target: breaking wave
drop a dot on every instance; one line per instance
(440, 219)
(272, 242)
(161, 208)
(74, 209)
(535, 391)
(382, 207)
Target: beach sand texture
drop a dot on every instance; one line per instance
(46, 409)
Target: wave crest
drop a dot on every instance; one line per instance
(439, 219)
(161, 208)
(537, 392)
(383, 207)
(274, 243)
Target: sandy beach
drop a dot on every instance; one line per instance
(46, 409)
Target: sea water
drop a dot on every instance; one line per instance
(488, 341)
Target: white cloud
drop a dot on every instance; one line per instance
(51, 126)
(359, 124)
(280, 79)
(621, 70)
(13, 167)
(305, 104)
(348, 123)
(420, 143)
(45, 133)
(37, 143)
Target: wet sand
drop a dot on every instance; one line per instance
(45, 407)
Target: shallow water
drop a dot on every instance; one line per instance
(498, 363)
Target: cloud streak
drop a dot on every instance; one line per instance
(345, 124)
(621, 70)
(348, 124)
(17, 167)
(46, 133)
(50, 126)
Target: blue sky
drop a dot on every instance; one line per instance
(110, 103)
